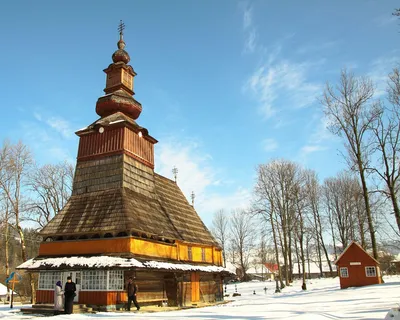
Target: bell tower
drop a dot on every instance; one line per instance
(119, 84)
(115, 140)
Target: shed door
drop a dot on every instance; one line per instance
(195, 278)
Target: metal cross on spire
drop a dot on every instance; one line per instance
(121, 27)
(175, 173)
(193, 196)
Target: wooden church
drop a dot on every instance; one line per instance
(125, 220)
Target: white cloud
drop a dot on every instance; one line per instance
(317, 47)
(45, 146)
(196, 173)
(269, 144)
(250, 41)
(60, 125)
(37, 116)
(247, 17)
(240, 199)
(321, 132)
(283, 80)
(380, 68)
(250, 31)
(307, 149)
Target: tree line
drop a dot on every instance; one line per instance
(303, 217)
(30, 195)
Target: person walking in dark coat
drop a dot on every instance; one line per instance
(69, 294)
(131, 291)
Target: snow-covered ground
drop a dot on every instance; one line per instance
(322, 300)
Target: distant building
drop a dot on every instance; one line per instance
(258, 271)
(356, 268)
(3, 292)
(313, 270)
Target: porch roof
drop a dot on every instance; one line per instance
(107, 262)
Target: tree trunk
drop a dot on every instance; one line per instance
(7, 241)
(276, 250)
(361, 227)
(303, 260)
(297, 256)
(395, 204)
(368, 209)
(333, 233)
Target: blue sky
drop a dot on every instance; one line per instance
(225, 85)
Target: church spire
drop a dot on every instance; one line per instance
(121, 42)
(119, 84)
(121, 54)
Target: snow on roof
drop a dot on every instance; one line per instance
(117, 121)
(84, 128)
(107, 262)
(95, 261)
(183, 267)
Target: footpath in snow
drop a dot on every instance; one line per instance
(323, 300)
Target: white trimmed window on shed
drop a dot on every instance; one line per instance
(344, 272)
(47, 280)
(370, 272)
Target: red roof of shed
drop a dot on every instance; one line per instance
(356, 244)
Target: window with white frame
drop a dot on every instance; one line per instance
(344, 272)
(116, 280)
(370, 271)
(47, 280)
(94, 280)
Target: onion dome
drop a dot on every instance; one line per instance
(121, 54)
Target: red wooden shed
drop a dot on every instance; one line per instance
(356, 268)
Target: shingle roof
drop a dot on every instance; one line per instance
(159, 208)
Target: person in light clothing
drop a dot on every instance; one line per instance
(58, 297)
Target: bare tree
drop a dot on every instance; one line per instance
(17, 164)
(347, 213)
(51, 186)
(275, 187)
(5, 206)
(387, 145)
(243, 233)
(300, 207)
(220, 230)
(314, 197)
(351, 110)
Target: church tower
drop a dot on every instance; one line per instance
(123, 219)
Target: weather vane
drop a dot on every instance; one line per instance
(121, 27)
(193, 196)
